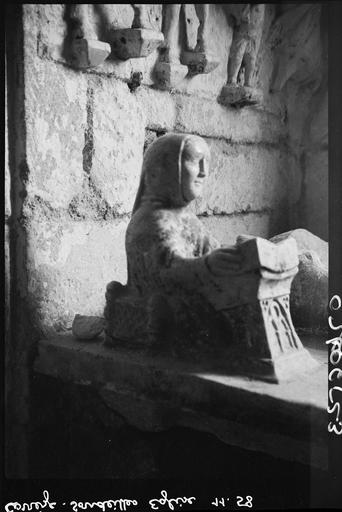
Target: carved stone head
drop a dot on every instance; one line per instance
(174, 171)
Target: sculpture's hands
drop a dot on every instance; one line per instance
(224, 261)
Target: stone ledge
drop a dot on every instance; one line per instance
(154, 393)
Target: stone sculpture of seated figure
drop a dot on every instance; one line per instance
(188, 293)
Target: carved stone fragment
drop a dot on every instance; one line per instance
(240, 89)
(309, 289)
(168, 74)
(199, 62)
(173, 68)
(128, 43)
(88, 53)
(240, 95)
(87, 327)
(169, 71)
(200, 59)
(86, 50)
(138, 41)
(190, 296)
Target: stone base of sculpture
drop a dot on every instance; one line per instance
(133, 43)
(168, 75)
(258, 338)
(88, 53)
(240, 96)
(199, 62)
(264, 342)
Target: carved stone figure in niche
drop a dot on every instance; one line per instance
(85, 49)
(138, 41)
(187, 293)
(173, 66)
(297, 41)
(248, 27)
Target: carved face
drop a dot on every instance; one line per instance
(195, 168)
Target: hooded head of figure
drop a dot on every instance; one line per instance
(174, 170)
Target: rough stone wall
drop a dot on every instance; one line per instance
(85, 135)
(305, 95)
(85, 138)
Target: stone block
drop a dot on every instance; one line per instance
(45, 31)
(56, 110)
(169, 75)
(159, 108)
(88, 53)
(240, 96)
(69, 265)
(87, 327)
(118, 141)
(309, 292)
(131, 43)
(243, 178)
(247, 125)
(307, 241)
(150, 391)
(259, 253)
(199, 62)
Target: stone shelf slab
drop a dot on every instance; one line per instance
(154, 392)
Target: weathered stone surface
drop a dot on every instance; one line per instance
(159, 108)
(236, 126)
(118, 141)
(225, 228)
(309, 290)
(298, 49)
(307, 241)
(135, 43)
(56, 100)
(240, 96)
(151, 393)
(199, 58)
(87, 327)
(243, 178)
(192, 23)
(199, 62)
(48, 23)
(88, 53)
(169, 75)
(213, 37)
(85, 51)
(69, 264)
(318, 135)
(245, 44)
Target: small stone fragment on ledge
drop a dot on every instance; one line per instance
(87, 327)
